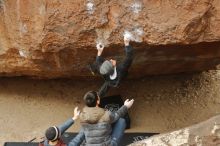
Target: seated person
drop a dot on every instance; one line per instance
(53, 134)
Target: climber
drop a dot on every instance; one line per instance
(111, 71)
(53, 134)
(96, 123)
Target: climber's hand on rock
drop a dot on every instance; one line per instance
(126, 40)
(100, 48)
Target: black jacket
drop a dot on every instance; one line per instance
(122, 70)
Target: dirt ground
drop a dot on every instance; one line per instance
(162, 103)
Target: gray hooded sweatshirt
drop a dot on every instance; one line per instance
(97, 125)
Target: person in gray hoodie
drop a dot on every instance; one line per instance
(53, 134)
(96, 122)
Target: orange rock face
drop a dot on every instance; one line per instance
(57, 38)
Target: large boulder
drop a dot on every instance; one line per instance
(206, 133)
(57, 38)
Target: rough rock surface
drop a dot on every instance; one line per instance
(57, 38)
(203, 134)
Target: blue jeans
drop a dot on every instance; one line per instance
(118, 131)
